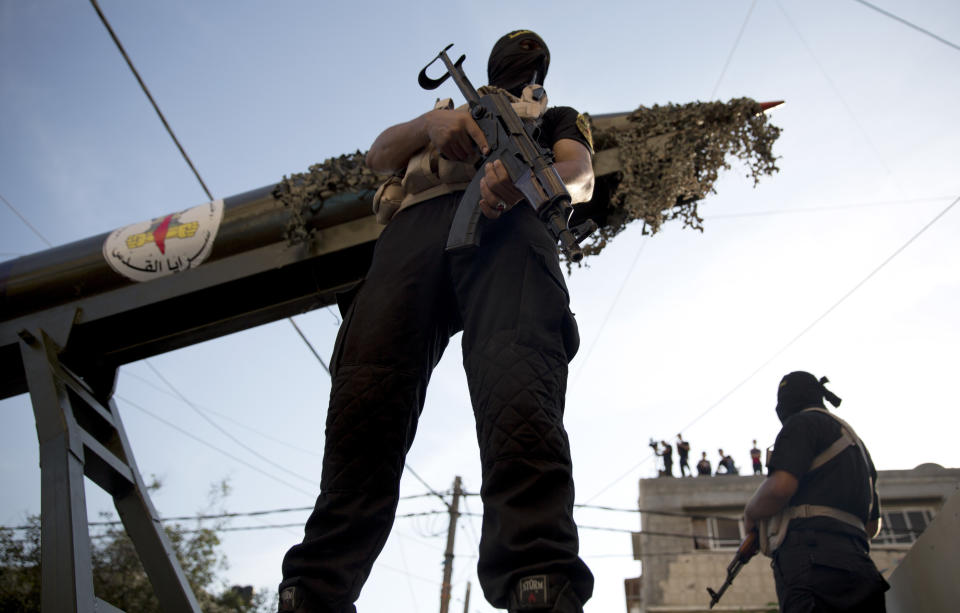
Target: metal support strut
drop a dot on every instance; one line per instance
(80, 434)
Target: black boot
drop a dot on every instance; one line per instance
(543, 594)
(292, 600)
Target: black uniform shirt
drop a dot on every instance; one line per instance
(840, 483)
(564, 122)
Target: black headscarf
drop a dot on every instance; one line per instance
(800, 390)
(512, 67)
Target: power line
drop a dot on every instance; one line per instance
(215, 448)
(470, 529)
(202, 517)
(296, 525)
(593, 507)
(205, 517)
(223, 416)
(427, 485)
(836, 90)
(176, 141)
(650, 511)
(466, 513)
(603, 323)
(224, 431)
(153, 102)
(621, 477)
(736, 44)
(334, 315)
(827, 208)
(907, 23)
(24, 220)
(657, 533)
(261, 513)
(406, 572)
(315, 354)
(830, 309)
(795, 338)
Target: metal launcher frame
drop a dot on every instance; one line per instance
(68, 321)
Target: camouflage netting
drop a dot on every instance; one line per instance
(304, 192)
(670, 158)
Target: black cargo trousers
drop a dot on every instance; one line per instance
(509, 298)
(823, 572)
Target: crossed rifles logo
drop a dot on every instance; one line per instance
(161, 231)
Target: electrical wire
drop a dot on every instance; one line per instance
(176, 141)
(832, 307)
(203, 517)
(836, 90)
(309, 344)
(621, 477)
(156, 107)
(334, 315)
(257, 431)
(406, 572)
(907, 23)
(225, 515)
(582, 365)
(427, 485)
(224, 431)
(736, 44)
(790, 343)
(820, 209)
(594, 507)
(24, 220)
(471, 532)
(215, 448)
(606, 317)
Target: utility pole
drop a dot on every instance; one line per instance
(448, 554)
(466, 600)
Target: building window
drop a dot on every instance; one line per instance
(717, 533)
(903, 526)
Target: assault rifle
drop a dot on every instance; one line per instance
(746, 550)
(530, 167)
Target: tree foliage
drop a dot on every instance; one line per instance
(118, 575)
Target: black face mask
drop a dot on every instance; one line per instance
(517, 60)
(800, 390)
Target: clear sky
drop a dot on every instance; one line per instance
(680, 332)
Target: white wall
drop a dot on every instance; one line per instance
(927, 578)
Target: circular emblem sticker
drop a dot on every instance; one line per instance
(165, 245)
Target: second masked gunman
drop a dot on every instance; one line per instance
(818, 507)
(509, 298)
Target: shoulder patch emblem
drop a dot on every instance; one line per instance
(583, 124)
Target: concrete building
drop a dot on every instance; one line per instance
(691, 527)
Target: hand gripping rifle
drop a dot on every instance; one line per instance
(747, 549)
(529, 166)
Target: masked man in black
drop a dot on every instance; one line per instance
(818, 507)
(509, 298)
